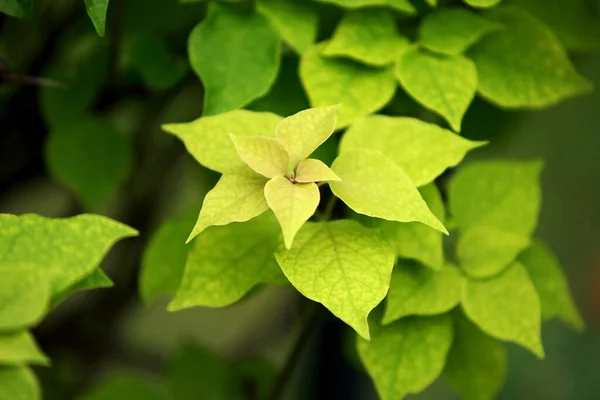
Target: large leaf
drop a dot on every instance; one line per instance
(20, 348)
(373, 185)
(296, 22)
(477, 364)
(509, 68)
(401, 5)
(421, 149)
(421, 291)
(369, 36)
(265, 155)
(18, 383)
(453, 30)
(343, 265)
(407, 356)
(312, 170)
(360, 89)
(207, 139)
(236, 55)
(237, 197)
(551, 284)
(96, 9)
(225, 262)
(506, 307)
(445, 85)
(17, 8)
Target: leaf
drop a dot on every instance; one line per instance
(509, 68)
(407, 356)
(400, 5)
(570, 20)
(373, 185)
(506, 307)
(303, 132)
(422, 150)
(360, 89)
(453, 30)
(367, 35)
(237, 197)
(292, 203)
(127, 385)
(445, 85)
(264, 155)
(96, 10)
(20, 348)
(551, 285)
(225, 262)
(342, 265)
(477, 364)
(421, 291)
(416, 241)
(297, 23)
(66, 250)
(18, 383)
(482, 3)
(96, 280)
(312, 170)
(235, 55)
(207, 138)
(18, 9)
(76, 156)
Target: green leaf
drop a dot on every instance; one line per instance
(445, 85)
(292, 203)
(127, 386)
(509, 68)
(400, 5)
(361, 90)
(506, 307)
(416, 241)
(342, 265)
(453, 30)
(96, 280)
(225, 262)
(369, 36)
(407, 356)
(235, 55)
(76, 155)
(66, 250)
(551, 285)
(207, 138)
(421, 291)
(570, 20)
(482, 3)
(264, 155)
(421, 149)
(17, 8)
(303, 132)
(477, 364)
(237, 197)
(296, 22)
(18, 383)
(312, 170)
(96, 9)
(20, 348)
(373, 185)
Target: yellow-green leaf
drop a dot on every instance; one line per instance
(313, 170)
(401, 5)
(19, 348)
(482, 3)
(296, 22)
(18, 383)
(265, 155)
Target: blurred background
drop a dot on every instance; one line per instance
(96, 146)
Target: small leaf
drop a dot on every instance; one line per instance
(369, 36)
(373, 185)
(477, 364)
(506, 307)
(207, 138)
(342, 265)
(127, 385)
(303, 132)
(422, 150)
(96, 280)
(237, 197)
(17, 8)
(236, 56)
(551, 285)
(292, 203)
(453, 30)
(96, 9)
(420, 291)
(225, 262)
(445, 85)
(407, 356)
(482, 3)
(20, 348)
(312, 170)
(400, 5)
(264, 155)
(509, 68)
(361, 89)
(18, 383)
(296, 22)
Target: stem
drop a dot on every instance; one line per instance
(326, 216)
(33, 80)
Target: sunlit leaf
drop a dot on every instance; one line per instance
(264, 155)
(312, 170)
(401, 5)
(18, 383)
(20, 348)
(296, 22)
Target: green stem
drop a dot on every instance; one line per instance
(326, 216)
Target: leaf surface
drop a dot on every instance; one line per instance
(19, 348)
(17, 8)
(264, 155)
(96, 10)
(482, 3)
(18, 383)
(297, 23)
(127, 385)
(313, 170)
(96, 280)
(401, 5)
